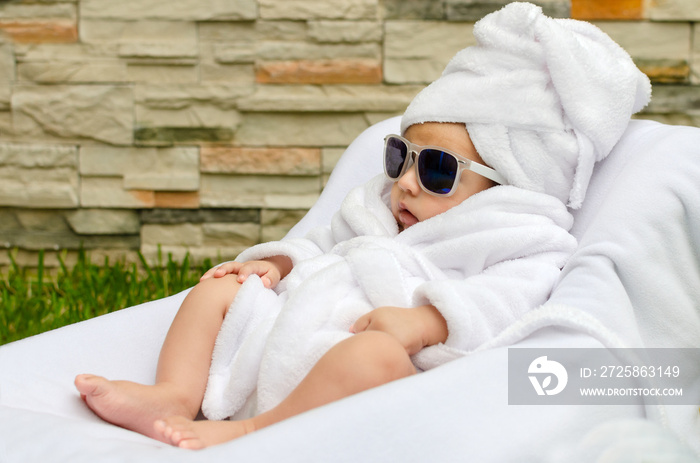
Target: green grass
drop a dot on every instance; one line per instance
(35, 300)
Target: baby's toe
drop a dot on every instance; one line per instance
(191, 443)
(176, 430)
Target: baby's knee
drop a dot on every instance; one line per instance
(221, 289)
(383, 352)
(219, 284)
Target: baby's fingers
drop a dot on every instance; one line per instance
(360, 324)
(268, 272)
(208, 274)
(251, 268)
(222, 270)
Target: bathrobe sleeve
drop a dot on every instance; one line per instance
(479, 307)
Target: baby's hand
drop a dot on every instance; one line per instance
(221, 270)
(268, 272)
(414, 328)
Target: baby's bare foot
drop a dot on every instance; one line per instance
(129, 405)
(187, 434)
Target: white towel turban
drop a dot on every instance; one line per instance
(542, 99)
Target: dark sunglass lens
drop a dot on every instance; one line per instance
(437, 170)
(394, 157)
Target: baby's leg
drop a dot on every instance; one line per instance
(183, 366)
(364, 361)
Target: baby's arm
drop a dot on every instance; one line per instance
(414, 328)
(270, 270)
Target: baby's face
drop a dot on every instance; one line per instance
(409, 203)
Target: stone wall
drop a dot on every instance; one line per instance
(209, 125)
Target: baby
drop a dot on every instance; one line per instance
(465, 233)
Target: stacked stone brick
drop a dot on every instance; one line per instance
(205, 126)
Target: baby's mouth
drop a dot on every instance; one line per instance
(406, 217)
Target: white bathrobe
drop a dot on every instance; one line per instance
(483, 264)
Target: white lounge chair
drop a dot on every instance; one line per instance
(637, 272)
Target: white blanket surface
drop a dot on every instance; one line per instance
(483, 264)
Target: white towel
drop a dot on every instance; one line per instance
(543, 99)
(483, 264)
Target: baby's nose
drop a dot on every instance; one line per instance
(409, 182)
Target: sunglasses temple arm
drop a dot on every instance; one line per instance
(487, 172)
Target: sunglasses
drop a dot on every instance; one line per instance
(438, 170)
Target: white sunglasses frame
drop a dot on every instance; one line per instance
(463, 163)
